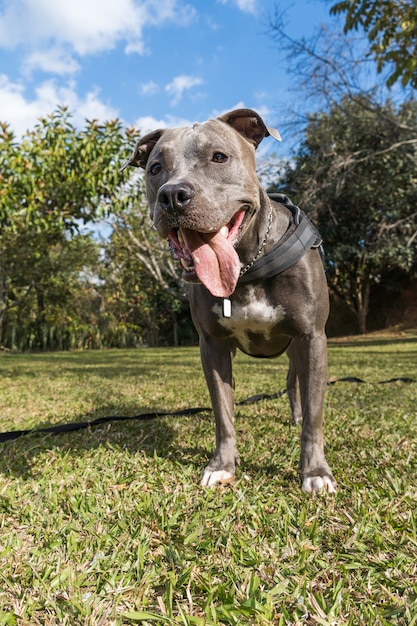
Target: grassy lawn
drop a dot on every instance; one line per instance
(108, 526)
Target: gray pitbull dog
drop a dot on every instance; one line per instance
(205, 197)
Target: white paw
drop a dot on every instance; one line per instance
(210, 478)
(316, 483)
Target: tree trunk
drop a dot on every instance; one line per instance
(174, 327)
(362, 306)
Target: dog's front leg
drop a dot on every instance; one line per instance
(309, 356)
(294, 392)
(216, 359)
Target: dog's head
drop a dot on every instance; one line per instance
(201, 185)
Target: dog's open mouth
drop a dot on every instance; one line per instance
(209, 257)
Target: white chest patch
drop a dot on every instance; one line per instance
(253, 316)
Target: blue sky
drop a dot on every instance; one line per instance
(151, 63)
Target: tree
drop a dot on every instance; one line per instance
(357, 145)
(59, 176)
(45, 291)
(59, 288)
(323, 69)
(142, 270)
(54, 180)
(391, 28)
(145, 311)
(356, 171)
(133, 227)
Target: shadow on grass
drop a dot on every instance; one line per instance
(107, 364)
(159, 436)
(358, 342)
(153, 436)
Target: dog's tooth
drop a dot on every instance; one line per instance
(180, 236)
(224, 231)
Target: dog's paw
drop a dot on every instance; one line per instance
(211, 478)
(311, 484)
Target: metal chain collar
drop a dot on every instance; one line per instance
(263, 244)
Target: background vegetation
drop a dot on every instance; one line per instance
(353, 168)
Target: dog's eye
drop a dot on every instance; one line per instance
(155, 169)
(219, 157)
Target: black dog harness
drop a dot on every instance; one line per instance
(300, 236)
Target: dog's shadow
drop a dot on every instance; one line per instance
(162, 436)
(158, 436)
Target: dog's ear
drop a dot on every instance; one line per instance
(143, 148)
(250, 125)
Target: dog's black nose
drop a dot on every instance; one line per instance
(175, 198)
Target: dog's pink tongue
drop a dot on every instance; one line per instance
(216, 262)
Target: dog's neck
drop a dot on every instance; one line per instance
(261, 249)
(263, 220)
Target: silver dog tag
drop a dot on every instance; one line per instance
(227, 307)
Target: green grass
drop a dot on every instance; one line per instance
(108, 526)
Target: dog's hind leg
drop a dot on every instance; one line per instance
(309, 354)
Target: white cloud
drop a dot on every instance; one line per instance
(148, 123)
(159, 11)
(91, 107)
(149, 89)
(180, 84)
(248, 6)
(84, 26)
(56, 60)
(22, 113)
(87, 25)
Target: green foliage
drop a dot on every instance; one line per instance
(137, 293)
(54, 181)
(61, 289)
(43, 286)
(356, 170)
(141, 276)
(391, 27)
(109, 526)
(58, 175)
